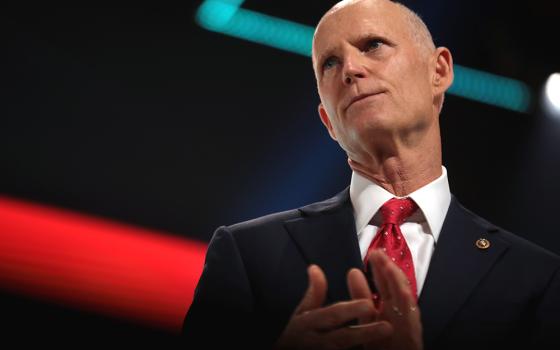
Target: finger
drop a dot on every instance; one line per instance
(359, 289)
(404, 303)
(374, 333)
(337, 315)
(357, 284)
(316, 292)
(399, 286)
(377, 260)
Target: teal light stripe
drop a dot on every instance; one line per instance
(227, 17)
(256, 27)
(215, 15)
(490, 89)
(278, 33)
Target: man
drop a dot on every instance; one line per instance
(295, 280)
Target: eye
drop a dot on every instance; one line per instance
(373, 44)
(329, 63)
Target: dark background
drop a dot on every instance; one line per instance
(141, 116)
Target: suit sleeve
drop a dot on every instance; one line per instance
(547, 330)
(222, 311)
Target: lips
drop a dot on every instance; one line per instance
(361, 97)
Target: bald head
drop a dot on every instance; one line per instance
(416, 27)
(378, 75)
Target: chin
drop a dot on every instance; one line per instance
(372, 123)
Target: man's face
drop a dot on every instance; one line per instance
(373, 79)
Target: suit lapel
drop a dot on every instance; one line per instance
(326, 236)
(456, 268)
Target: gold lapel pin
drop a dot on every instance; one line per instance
(482, 243)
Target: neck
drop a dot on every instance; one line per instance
(401, 167)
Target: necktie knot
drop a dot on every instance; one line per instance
(396, 210)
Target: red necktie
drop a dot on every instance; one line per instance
(390, 239)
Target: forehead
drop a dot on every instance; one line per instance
(359, 19)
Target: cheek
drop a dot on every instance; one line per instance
(413, 86)
(423, 95)
(330, 106)
(331, 111)
(327, 97)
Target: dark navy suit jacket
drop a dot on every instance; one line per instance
(506, 296)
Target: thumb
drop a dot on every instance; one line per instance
(316, 292)
(359, 289)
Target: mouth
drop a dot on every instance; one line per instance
(361, 97)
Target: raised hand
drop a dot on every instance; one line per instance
(314, 326)
(397, 307)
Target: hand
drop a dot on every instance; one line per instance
(397, 307)
(313, 326)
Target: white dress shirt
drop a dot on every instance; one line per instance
(421, 230)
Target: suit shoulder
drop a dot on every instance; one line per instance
(275, 220)
(517, 242)
(266, 220)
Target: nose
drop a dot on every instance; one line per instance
(353, 68)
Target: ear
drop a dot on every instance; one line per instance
(326, 121)
(443, 74)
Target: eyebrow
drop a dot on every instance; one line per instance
(355, 42)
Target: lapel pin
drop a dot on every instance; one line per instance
(482, 243)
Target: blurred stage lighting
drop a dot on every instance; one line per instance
(490, 89)
(551, 97)
(82, 262)
(225, 17)
(214, 15)
(228, 17)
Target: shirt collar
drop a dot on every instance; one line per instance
(433, 199)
